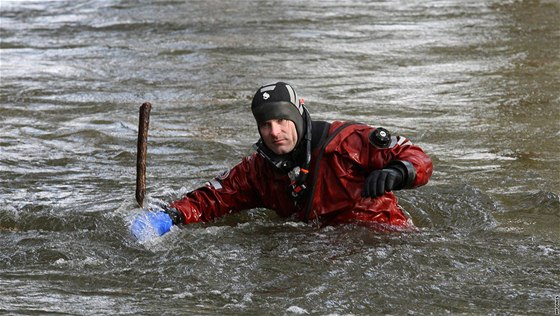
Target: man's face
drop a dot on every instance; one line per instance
(279, 135)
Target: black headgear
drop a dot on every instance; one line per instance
(278, 101)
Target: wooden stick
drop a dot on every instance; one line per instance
(142, 152)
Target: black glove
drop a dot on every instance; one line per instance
(381, 181)
(174, 214)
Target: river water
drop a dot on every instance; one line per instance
(474, 83)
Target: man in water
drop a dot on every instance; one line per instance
(327, 173)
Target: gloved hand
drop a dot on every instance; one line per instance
(381, 181)
(150, 224)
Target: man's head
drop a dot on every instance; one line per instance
(279, 116)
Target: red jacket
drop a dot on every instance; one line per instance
(346, 162)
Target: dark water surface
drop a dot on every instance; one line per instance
(475, 83)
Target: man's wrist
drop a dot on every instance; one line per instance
(407, 171)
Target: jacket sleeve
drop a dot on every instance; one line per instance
(412, 160)
(400, 153)
(230, 192)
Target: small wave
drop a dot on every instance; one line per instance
(457, 207)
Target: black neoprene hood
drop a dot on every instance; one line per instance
(278, 101)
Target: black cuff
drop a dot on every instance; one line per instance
(175, 215)
(407, 170)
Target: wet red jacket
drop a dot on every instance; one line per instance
(346, 162)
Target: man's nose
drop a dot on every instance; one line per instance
(275, 128)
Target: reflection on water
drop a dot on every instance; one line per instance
(474, 83)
